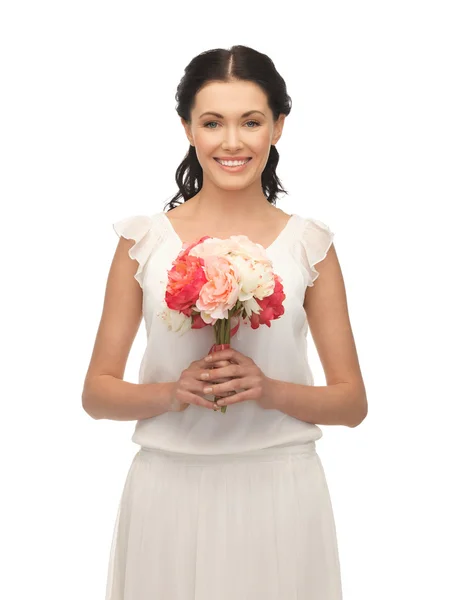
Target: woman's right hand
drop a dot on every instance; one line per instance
(188, 389)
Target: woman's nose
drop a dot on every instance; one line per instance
(232, 139)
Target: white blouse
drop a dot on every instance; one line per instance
(279, 350)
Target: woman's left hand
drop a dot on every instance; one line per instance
(248, 382)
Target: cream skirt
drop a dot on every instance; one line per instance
(251, 526)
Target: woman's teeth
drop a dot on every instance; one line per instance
(230, 163)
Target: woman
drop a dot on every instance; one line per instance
(228, 505)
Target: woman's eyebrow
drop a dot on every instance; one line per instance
(246, 114)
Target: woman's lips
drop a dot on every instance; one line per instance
(235, 169)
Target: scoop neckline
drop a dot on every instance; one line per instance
(282, 233)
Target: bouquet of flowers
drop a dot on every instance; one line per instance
(219, 282)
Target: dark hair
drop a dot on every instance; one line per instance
(237, 63)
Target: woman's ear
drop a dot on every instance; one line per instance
(278, 128)
(187, 129)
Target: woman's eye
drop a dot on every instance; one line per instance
(214, 122)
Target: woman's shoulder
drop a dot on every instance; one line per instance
(311, 224)
(315, 239)
(147, 232)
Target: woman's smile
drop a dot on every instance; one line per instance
(232, 166)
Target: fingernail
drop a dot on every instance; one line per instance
(207, 390)
(208, 358)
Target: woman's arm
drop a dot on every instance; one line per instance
(105, 395)
(343, 401)
(336, 404)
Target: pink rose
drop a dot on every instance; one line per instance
(220, 292)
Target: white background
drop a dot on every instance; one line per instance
(376, 146)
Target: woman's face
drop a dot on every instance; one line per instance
(230, 134)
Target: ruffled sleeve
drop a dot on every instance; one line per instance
(139, 228)
(316, 240)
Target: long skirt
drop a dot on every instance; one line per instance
(256, 525)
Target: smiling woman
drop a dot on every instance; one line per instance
(239, 144)
(231, 505)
